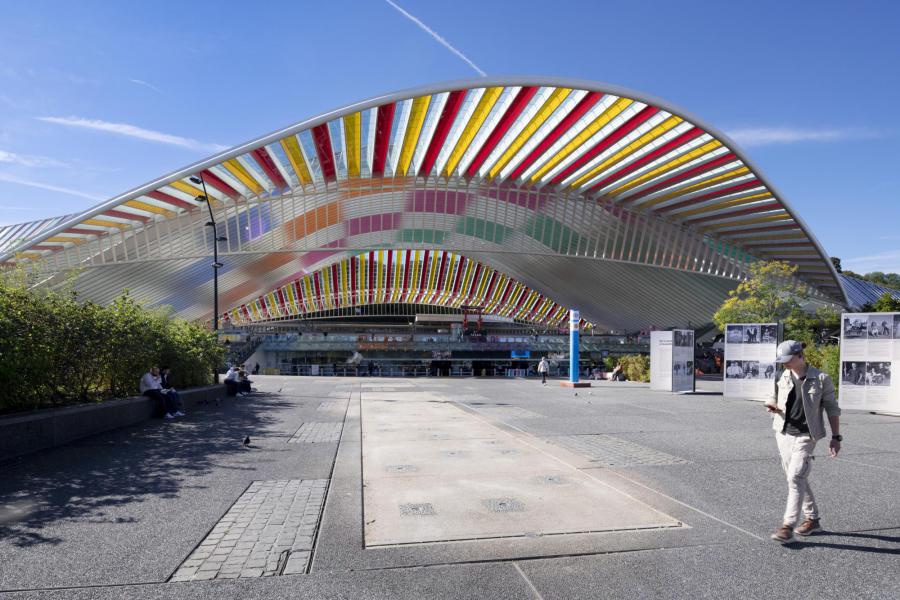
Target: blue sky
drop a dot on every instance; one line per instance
(99, 97)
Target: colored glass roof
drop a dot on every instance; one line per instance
(548, 137)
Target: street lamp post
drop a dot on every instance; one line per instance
(216, 264)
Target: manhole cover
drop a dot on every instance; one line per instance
(551, 479)
(402, 468)
(500, 505)
(413, 510)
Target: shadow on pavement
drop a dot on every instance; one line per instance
(811, 543)
(79, 480)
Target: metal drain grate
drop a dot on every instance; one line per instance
(611, 451)
(417, 510)
(503, 505)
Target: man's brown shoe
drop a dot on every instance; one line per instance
(807, 527)
(783, 534)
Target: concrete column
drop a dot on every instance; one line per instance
(574, 318)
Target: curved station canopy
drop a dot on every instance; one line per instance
(585, 194)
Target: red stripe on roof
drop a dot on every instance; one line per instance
(125, 215)
(262, 157)
(382, 137)
(682, 139)
(406, 276)
(737, 213)
(85, 231)
(746, 185)
(163, 197)
(509, 117)
(584, 105)
(322, 139)
(699, 169)
(220, 184)
(445, 122)
(335, 289)
(630, 125)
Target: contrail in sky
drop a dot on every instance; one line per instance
(437, 37)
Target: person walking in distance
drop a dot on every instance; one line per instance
(802, 394)
(543, 369)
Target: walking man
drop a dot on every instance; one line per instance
(802, 394)
(543, 369)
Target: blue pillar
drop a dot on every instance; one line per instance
(574, 318)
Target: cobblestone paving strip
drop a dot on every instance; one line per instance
(615, 452)
(268, 531)
(317, 433)
(336, 405)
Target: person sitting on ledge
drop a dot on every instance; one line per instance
(231, 381)
(171, 392)
(151, 386)
(244, 383)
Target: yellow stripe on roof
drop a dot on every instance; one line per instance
(684, 158)
(149, 208)
(728, 204)
(292, 148)
(188, 189)
(481, 112)
(352, 142)
(551, 104)
(411, 138)
(105, 223)
(651, 135)
(720, 178)
(238, 170)
(593, 127)
(62, 238)
(735, 222)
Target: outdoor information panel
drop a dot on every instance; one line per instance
(672, 360)
(870, 343)
(750, 368)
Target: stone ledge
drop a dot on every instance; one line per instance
(24, 433)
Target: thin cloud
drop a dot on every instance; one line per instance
(25, 160)
(146, 85)
(437, 37)
(134, 131)
(887, 262)
(766, 136)
(46, 186)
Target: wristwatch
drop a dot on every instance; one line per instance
(838, 438)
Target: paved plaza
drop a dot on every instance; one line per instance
(449, 488)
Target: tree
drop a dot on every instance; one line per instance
(837, 264)
(886, 303)
(770, 295)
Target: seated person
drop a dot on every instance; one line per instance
(151, 386)
(169, 390)
(231, 381)
(618, 374)
(244, 382)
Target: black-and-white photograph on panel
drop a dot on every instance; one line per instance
(879, 327)
(855, 327)
(768, 334)
(734, 334)
(751, 369)
(878, 373)
(853, 373)
(767, 370)
(897, 327)
(734, 369)
(751, 334)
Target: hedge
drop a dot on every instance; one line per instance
(56, 350)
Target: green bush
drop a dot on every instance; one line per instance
(636, 367)
(55, 350)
